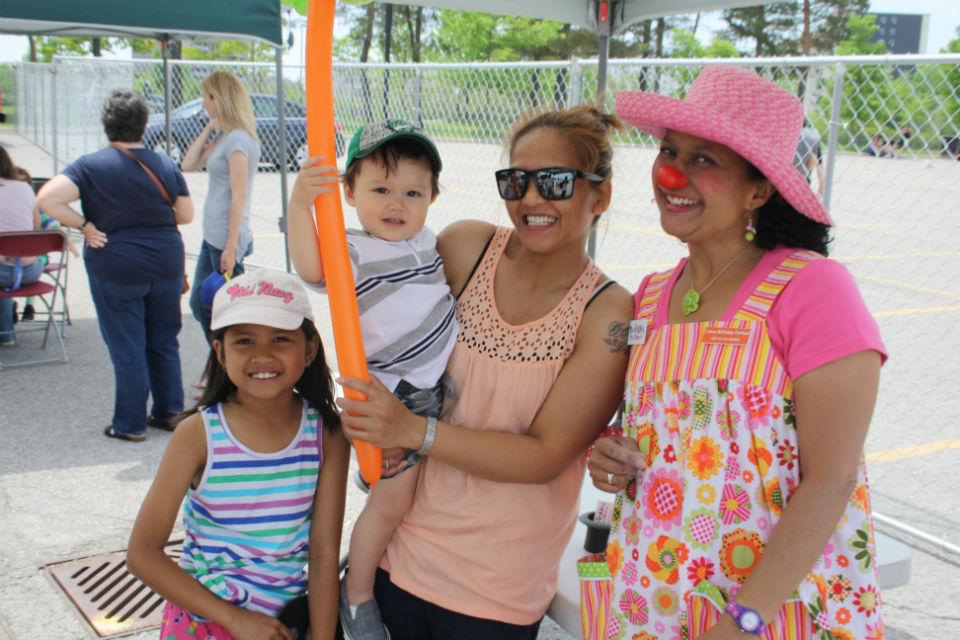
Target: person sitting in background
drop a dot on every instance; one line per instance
(18, 212)
(46, 222)
(880, 147)
(903, 141)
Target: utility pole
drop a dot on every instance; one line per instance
(388, 29)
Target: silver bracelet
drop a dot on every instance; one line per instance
(429, 436)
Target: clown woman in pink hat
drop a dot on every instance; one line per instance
(742, 501)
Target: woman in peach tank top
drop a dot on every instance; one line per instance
(536, 374)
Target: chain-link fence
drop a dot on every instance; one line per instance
(889, 132)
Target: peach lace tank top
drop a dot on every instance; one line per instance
(483, 548)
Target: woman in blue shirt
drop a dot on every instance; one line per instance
(134, 259)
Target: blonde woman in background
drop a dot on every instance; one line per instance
(229, 149)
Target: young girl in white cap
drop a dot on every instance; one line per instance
(742, 503)
(263, 464)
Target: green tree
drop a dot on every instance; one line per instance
(48, 46)
(413, 23)
(225, 50)
(358, 42)
(367, 28)
(686, 45)
(466, 36)
(720, 48)
(866, 88)
(825, 23)
(954, 45)
(8, 86)
(949, 89)
(771, 27)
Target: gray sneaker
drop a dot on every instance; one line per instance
(367, 624)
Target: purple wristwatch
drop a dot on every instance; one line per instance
(747, 619)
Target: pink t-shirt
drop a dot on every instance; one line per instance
(17, 201)
(818, 317)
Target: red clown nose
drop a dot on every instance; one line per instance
(670, 178)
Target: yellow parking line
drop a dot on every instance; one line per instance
(885, 256)
(913, 451)
(910, 312)
(907, 285)
(871, 225)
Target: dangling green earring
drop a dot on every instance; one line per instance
(751, 232)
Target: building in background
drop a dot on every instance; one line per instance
(902, 32)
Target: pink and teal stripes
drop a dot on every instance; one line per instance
(247, 524)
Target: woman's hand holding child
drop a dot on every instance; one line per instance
(381, 419)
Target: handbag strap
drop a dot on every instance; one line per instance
(153, 176)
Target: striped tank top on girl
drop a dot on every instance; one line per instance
(247, 524)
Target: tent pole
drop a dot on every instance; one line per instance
(53, 103)
(388, 35)
(282, 165)
(164, 41)
(603, 56)
(604, 53)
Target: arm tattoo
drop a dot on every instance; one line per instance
(617, 337)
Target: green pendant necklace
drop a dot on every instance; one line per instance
(690, 301)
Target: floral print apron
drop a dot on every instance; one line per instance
(710, 404)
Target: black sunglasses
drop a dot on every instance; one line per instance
(553, 183)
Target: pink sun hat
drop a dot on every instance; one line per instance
(751, 115)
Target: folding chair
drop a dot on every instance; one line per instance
(58, 271)
(33, 244)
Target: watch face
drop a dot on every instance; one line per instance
(749, 621)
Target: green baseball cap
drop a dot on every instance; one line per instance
(372, 136)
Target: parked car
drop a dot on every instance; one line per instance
(189, 119)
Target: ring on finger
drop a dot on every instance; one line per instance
(609, 478)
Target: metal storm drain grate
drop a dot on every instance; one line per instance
(111, 599)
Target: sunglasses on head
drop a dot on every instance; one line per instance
(553, 183)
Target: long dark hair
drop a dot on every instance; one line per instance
(8, 170)
(780, 224)
(315, 385)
